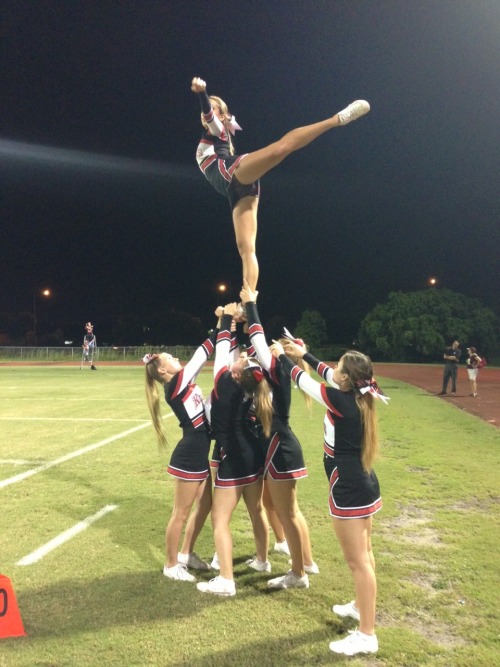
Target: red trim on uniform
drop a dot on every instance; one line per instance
(329, 404)
(232, 168)
(296, 371)
(206, 163)
(270, 468)
(350, 512)
(198, 421)
(217, 378)
(209, 347)
(322, 369)
(178, 382)
(273, 371)
(356, 512)
(289, 474)
(240, 481)
(273, 446)
(223, 336)
(188, 476)
(328, 449)
(222, 170)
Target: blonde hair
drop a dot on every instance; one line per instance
(152, 378)
(225, 112)
(358, 367)
(299, 361)
(261, 393)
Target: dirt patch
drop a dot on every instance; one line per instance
(476, 505)
(429, 378)
(410, 526)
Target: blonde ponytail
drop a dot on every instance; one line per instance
(153, 400)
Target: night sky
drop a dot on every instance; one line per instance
(102, 200)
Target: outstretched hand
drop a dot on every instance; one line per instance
(247, 294)
(198, 85)
(219, 311)
(294, 349)
(276, 349)
(230, 309)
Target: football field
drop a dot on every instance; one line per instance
(85, 498)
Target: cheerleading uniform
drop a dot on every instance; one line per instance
(232, 422)
(284, 457)
(189, 460)
(214, 158)
(354, 493)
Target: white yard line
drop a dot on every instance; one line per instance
(72, 455)
(69, 419)
(42, 551)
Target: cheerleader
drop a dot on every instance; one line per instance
(237, 176)
(189, 461)
(284, 463)
(350, 447)
(241, 393)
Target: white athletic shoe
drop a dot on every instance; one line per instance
(282, 548)
(218, 586)
(178, 573)
(354, 111)
(309, 569)
(348, 610)
(193, 561)
(289, 580)
(215, 565)
(355, 642)
(259, 565)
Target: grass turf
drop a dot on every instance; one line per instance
(101, 599)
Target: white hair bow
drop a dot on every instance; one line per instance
(372, 387)
(232, 125)
(287, 334)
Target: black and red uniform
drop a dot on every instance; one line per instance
(232, 420)
(354, 493)
(284, 457)
(215, 160)
(189, 460)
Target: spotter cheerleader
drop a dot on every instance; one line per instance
(189, 461)
(350, 447)
(241, 393)
(284, 462)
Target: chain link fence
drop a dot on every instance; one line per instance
(101, 354)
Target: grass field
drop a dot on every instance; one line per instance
(76, 443)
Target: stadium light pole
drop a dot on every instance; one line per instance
(45, 293)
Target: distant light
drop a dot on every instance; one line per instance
(46, 292)
(222, 287)
(432, 282)
(68, 342)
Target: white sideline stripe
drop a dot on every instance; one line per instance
(14, 462)
(42, 551)
(69, 419)
(72, 455)
(67, 399)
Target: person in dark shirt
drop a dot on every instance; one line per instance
(451, 358)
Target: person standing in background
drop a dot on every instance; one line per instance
(451, 358)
